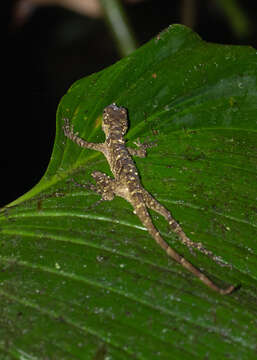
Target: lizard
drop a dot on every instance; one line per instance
(127, 184)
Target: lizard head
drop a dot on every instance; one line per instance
(115, 120)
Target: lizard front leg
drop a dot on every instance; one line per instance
(141, 150)
(69, 132)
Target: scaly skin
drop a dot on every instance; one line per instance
(126, 183)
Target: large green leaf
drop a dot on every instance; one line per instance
(83, 280)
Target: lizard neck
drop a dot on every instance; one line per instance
(114, 139)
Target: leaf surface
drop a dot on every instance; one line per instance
(84, 280)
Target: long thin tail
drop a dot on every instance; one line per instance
(142, 213)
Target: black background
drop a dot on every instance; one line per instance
(54, 48)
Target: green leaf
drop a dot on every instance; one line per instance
(84, 280)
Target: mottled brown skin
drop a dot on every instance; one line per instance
(126, 184)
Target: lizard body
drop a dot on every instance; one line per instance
(126, 183)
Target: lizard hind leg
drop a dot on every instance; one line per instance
(104, 185)
(142, 213)
(153, 204)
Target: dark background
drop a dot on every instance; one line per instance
(54, 47)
